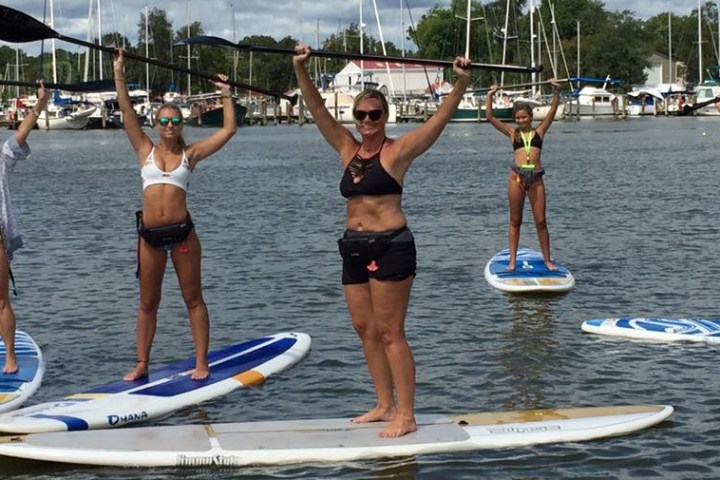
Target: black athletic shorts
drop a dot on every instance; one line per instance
(387, 255)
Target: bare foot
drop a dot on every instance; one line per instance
(377, 414)
(399, 427)
(11, 365)
(510, 267)
(200, 373)
(551, 266)
(140, 371)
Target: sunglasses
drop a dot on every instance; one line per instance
(373, 114)
(163, 121)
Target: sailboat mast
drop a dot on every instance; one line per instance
(670, 61)
(99, 32)
(533, 76)
(188, 48)
(147, 51)
(700, 62)
(382, 42)
(505, 39)
(52, 43)
(362, 62)
(402, 47)
(467, 29)
(89, 39)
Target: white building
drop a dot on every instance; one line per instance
(413, 79)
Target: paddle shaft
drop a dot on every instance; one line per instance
(382, 58)
(169, 66)
(75, 87)
(521, 85)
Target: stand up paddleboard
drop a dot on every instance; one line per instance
(530, 273)
(165, 390)
(15, 388)
(656, 328)
(332, 440)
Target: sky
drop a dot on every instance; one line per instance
(305, 20)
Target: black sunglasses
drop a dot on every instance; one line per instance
(373, 114)
(163, 121)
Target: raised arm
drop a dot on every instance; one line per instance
(547, 121)
(490, 117)
(419, 140)
(334, 133)
(207, 146)
(140, 142)
(28, 122)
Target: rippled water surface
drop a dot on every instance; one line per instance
(632, 211)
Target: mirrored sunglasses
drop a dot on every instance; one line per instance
(373, 114)
(163, 121)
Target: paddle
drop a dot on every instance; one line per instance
(209, 40)
(688, 109)
(94, 86)
(18, 27)
(519, 85)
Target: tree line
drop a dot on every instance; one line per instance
(618, 44)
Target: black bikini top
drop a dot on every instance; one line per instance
(367, 176)
(536, 140)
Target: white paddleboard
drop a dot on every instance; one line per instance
(15, 388)
(530, 273)
(657, 328)
(331, 440)
(167, 388)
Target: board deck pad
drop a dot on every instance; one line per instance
(166, 389)
(327, 440)
(657, 328)
(16, 388)
(530, 273)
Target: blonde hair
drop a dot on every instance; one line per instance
(371, 93)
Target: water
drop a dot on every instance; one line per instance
(632, 212)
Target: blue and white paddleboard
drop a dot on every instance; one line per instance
(530, 273)
(167, 388)
(327, 440)
(656, 328)
(15, 388)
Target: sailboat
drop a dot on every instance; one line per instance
(63, 113)
(710, 88)
(472, 107)
(339, 97)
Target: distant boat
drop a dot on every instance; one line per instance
(207, 111)
(65, 114)
(472, 109)
(705, 92)
(592, 101)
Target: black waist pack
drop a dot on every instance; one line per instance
(367, 247)
(166, 234)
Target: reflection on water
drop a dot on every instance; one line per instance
(530, 348)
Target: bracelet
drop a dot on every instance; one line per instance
(119, 79)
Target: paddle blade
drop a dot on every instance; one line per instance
(208, 40)
(18, 27)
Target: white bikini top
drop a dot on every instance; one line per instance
(152, 175)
